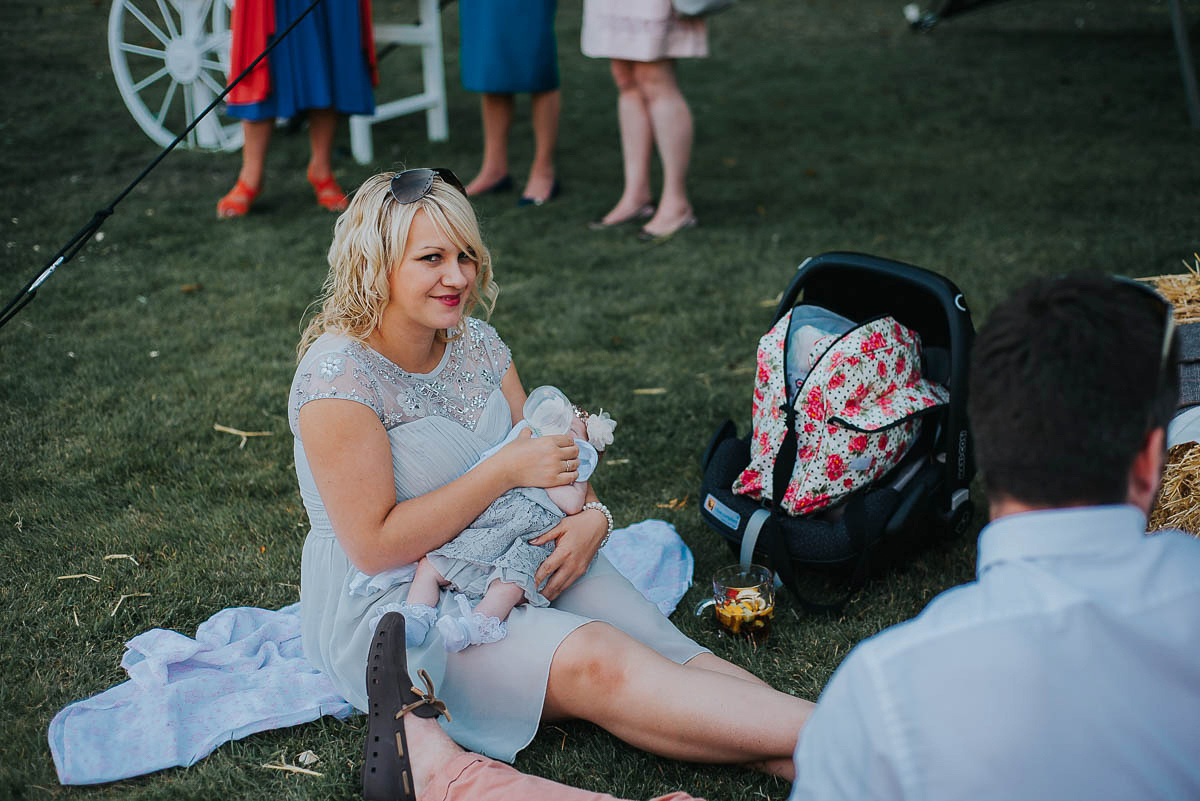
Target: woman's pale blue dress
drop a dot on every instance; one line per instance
(438, 424)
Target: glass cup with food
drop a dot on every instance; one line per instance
(744, 600)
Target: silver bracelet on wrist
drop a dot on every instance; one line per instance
(602, 509)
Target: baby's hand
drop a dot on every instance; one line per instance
(540, 461)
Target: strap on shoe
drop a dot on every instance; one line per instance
(425, 698)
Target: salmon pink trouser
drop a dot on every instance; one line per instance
(471, 777)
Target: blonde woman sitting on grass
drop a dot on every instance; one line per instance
(397, 394)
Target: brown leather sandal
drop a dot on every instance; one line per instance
(386, 771)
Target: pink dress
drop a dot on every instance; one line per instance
(640, 30)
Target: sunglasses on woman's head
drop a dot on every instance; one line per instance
(412, 185)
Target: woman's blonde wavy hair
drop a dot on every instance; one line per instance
(369, 239)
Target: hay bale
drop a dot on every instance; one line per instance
(1178, 504)
(1182, 291)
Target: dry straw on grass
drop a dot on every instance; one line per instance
(1182, 290)
(1178, 504)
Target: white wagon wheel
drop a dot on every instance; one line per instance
(170, 59)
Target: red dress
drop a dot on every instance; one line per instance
(252, 22)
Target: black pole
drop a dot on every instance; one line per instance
(76, 243)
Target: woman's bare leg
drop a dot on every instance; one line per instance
(257, 136)
(672, 122)
(497, 111)
(684, 712)
(637, 143)
(322, 128)
(718, 665)
(784, 768)
(544, 111)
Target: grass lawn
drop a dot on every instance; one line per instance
(1026, 139)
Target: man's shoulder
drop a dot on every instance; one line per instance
(1177, 543)
(1176, 559)
(950, 613)
(1164, 571)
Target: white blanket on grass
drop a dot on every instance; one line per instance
(245, 672)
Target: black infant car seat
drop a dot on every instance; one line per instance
(924, 497)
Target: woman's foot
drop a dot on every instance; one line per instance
(329, 195)
(505, 184)
(237, 201)
(541, 200)
(663, 226)
(489, 182)
(541, 187)
(387, 771)
(619, 217)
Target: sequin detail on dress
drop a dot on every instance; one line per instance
(458, 389)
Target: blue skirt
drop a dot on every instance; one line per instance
(320, 64)
(508, 45)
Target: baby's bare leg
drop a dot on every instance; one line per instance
(500, 598)
(425, 584)
(569, 497)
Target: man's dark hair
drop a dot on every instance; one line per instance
(1066, 381)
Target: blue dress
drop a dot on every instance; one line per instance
(508, 46)
(320, 64)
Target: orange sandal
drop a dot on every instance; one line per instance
(237, 202)
(329, 195)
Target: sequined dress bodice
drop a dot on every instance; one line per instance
(438, 423)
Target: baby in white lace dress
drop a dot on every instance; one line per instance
(493, 561)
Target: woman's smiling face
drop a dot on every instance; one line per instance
(428, 287)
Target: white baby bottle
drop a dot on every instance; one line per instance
(548, 411)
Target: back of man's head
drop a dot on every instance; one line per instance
(1067, 379)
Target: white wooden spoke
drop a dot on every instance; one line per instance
(213, 43)
(171, 29)
(189, 114)
(205, 9)
(161, 48)
(150, 26)
(211, 83)
(144, 51)
(151, 78)
(166, 104)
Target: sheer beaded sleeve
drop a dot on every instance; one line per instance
(333, 369)
(495, 351)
